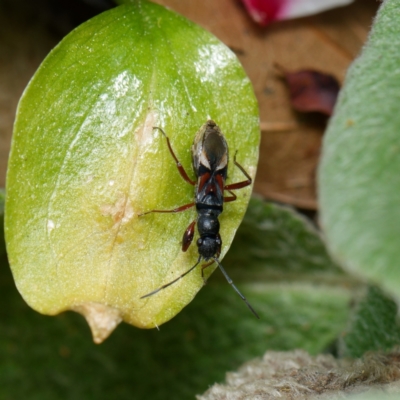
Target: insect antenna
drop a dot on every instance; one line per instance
(172, 282)
(236, 289)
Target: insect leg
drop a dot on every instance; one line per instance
(181, 170)
(203, 267)
(188, 236)
(175, 210)
(236, 289)
(242, 184)
(172, 282)
(230, 198)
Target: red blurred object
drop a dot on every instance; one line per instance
(264, 11)
(312, 91)
(267, 11)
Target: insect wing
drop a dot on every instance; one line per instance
(209, 149)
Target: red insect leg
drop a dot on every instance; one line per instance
(175, 210)
(239, 185)
(227, 199)
(188, 236)
(181, 170)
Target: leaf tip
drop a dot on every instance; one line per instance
(102, 319)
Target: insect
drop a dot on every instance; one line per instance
(210, 163)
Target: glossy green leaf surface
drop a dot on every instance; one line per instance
(359, 174)
(85, 161)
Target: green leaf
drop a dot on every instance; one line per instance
(280, 244)
(85, 162)
(289, 277)
(359, 173)
(374, 326)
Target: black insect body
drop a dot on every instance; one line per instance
(210, 162)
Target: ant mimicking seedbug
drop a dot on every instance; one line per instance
(210, 164)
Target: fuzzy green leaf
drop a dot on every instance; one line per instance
(85, 162)
(374, 326)
(282, 258)
(359, 174)
(280, 243)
